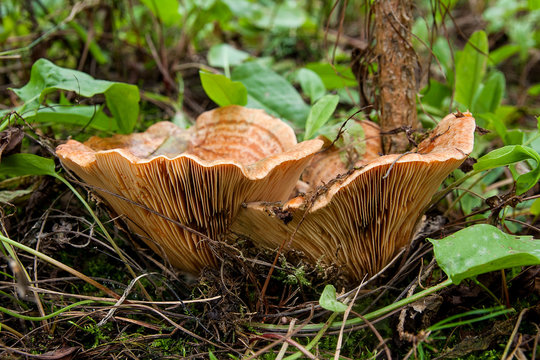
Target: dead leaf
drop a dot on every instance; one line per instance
(10, 140)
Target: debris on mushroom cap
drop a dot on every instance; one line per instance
(198, 177)
(337, 160)
(360, 221)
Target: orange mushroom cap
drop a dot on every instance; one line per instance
(361, 220)
(198, 177)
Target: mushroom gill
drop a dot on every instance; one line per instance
(359, 221)
(198, 177)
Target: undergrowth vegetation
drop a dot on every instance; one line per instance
(75, 282)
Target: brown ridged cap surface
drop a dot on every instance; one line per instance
(199, 177)
(360, 221)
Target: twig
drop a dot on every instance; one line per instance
(514, 332)
(285, 345)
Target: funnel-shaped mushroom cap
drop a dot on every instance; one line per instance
(199, 177)
(336, 160)
(360, 221)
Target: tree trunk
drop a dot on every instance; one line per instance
(396, 79)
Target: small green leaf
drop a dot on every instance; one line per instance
(269, 91)
(511, 154)
(27, 164)
(333, 76)
(211, 355)
(320, 113)
(45, 77)
(490, 97)
(224, 55)
(535, 207)
(483, 248)
(534, 90)
(222, 90)
(311, 84)
(502, 53)
(329, 301)
(471, 68)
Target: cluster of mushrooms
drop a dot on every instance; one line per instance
(240, 172)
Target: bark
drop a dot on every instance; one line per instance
(396, 79)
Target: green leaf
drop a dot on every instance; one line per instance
(328, 300)
(435, 93)
(27, 164)
(211, 355)
(45, 77)
(534, 5)
(535, 207)
(333, 76)
(165, 10)
(502, 53)
(81, 115)
(320, 113)
(534, 90)
(483, 248)
(224, 55)
(269, 91)
(311, 84)
(222, 90)
(511, 154)
(471, 68)
(490, 97)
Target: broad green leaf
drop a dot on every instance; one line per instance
(224, 55)
(222, 90)
(471, 68)
(320, 113)
(80, 115)
(328, 300)
(333, 76)
(27, 164)
(483, 248)
(45, 77)
(165, 10)
(490, 97)
(311, 84)
(511, 154)
(534, 5)
(269, 91)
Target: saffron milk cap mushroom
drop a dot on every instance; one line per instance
(198, 177)
(359, 221)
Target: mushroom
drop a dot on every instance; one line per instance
(198, 177)
(359, 221)
(340, 157)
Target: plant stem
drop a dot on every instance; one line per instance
(105, 232)
(316, 339)
(41, 318)
(57, 263)
(369, 316)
